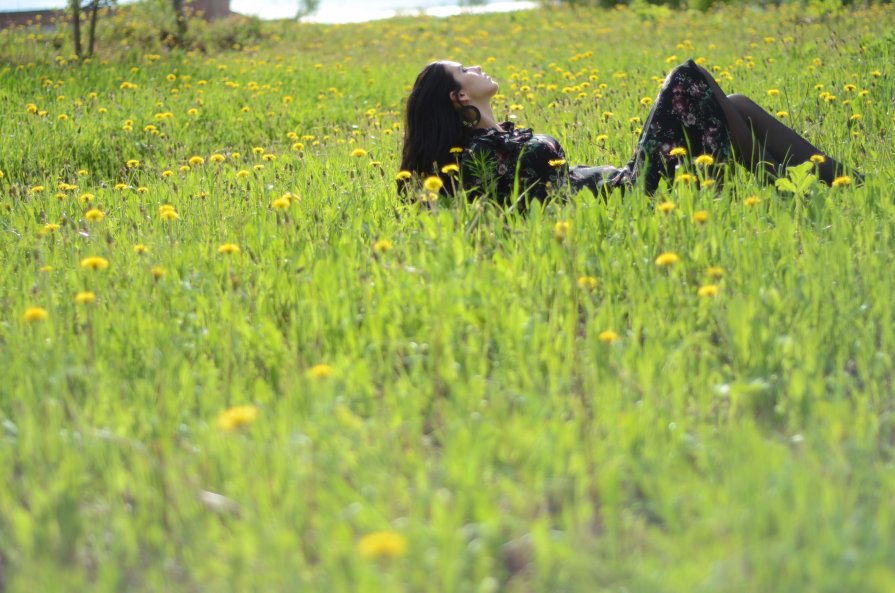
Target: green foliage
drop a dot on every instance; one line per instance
(529, 403)
(799, 179)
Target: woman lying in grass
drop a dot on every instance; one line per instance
(449, 109)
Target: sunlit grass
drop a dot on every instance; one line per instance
(233, 359)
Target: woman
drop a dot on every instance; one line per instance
(449, 109)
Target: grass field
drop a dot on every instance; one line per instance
(233, 360)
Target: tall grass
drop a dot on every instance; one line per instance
(449, 378)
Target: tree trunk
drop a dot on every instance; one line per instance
(76, 25)
(181, 20)
(94, 8)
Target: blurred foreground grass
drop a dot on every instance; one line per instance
(232, 359)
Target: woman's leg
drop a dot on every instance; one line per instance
(782, 142)
(762, 143)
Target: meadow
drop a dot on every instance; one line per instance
(233, 359)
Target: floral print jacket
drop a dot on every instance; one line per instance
(517, 166)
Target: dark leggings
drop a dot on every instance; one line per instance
(765, 145)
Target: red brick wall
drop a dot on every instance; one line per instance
(29, 17)
(210, 9)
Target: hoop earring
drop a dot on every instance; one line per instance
(468, 121)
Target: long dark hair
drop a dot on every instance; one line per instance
(431, 125)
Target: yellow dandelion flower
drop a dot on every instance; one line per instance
(706, 160)
(217, 158)
(94, 215)
(241, 174)
(195, 161)
(714, 271)
(50, 227)
(678, 151)
(876, 74)
(140, 249)
(646, 101)
(561, 230)
(752, 200)
(382, 246)
(587, 283)
(685, 178)
(701, 216)
(35, 314)
(849, 88)
(403, 175)
(281, 203)
(456, 150)
(381, 545)
(228, 248)
(448, 169)
(855, 117)
(298, 146)
(320, 371)
(666, 207)
(773, 92)
(602, 138)
(708, 290)
(157, 272)
(258, 167)
(94, 262)
(132, 163)
(556, 163)
(607, 336)
(37, 189)
(667, 259)
(120, 186)
(269, 157)
(237, 417)
(782, 114)
(842, 180)
(169, 215)
(167, 173)
(706, 183)
(818, 159)
(84, 297)
(433, 183)
(358, 153)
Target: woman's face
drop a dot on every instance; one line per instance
(475, 85)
